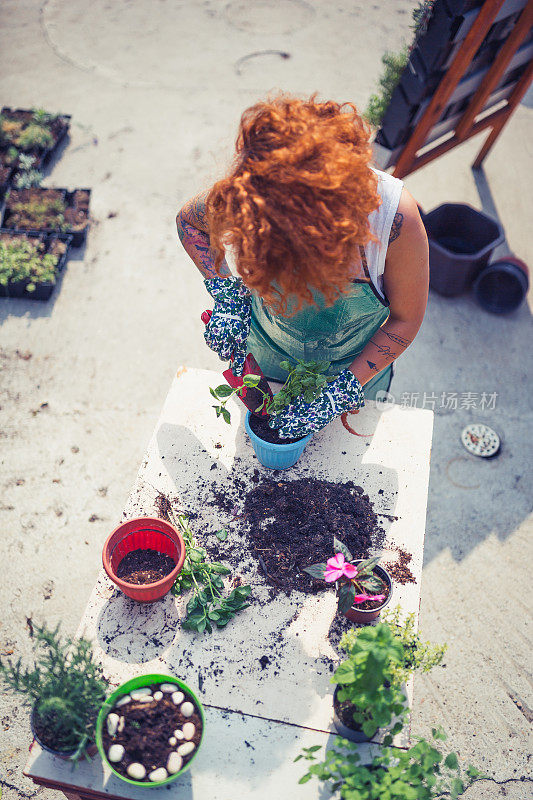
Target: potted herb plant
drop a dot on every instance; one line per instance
(367, 697)
(65, 688)
(305, 379)
(150, 729)
(363, 588)
(422, 772)
(30, 263)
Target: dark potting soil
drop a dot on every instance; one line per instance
(145, 566)
(399, 570)
(291, 525)
(147, 729)
(260, 427)
(45, 734)
(344, 712)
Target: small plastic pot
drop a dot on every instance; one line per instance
(502, 286)
(364, 616)
(352, 734)
(64, 754)
(276, 456)
(144, 533)
(126, 688)
(461, 241)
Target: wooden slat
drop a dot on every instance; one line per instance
(453, 141)
(519, 91)
(497, 70)
(446, 87)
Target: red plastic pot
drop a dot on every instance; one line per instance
(144, 533)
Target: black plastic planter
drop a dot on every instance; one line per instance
(78, 236)
(502, 286)
(352, 734)
(59, 131)
(461, 241)
(43, 290)
(65, 754)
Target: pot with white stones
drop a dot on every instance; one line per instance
(149, 730)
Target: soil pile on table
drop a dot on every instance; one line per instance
(145, 566)
(292, 525)
(399, 569)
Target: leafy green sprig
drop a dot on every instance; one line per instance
(207, 606)
(305, 379)
(418, 656)
(420, 773)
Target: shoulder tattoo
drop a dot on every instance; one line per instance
(396, 227)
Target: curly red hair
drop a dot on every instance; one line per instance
(295, 205)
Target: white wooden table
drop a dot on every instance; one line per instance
(260, 711)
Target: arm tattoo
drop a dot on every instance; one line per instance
(383, 349)
(373, 366)
(396, 227)
(398, 339)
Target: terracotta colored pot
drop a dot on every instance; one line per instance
(364, 616)
(144, 533)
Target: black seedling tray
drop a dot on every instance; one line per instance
(78, 236)
(43, 290)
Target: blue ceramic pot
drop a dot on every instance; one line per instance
(276, 456)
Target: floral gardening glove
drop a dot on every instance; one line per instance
(227, 331)
(301, 418)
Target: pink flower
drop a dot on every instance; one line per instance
(336, 567)
(360, 598)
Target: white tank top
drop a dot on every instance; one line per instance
(389, 189)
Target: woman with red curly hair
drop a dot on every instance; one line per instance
(331, 255)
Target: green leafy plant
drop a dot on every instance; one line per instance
(10, 156)
(207, 606)
(28, 176)
(422, 772)
(418, 656)
(34, 136)
(24, 260)
(356, 584)
(43, 117)
(365, 681)
(65, 687)
(393, 66)
(305, 378)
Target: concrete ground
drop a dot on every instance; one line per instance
(155, 89)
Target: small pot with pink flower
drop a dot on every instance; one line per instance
(364, 587)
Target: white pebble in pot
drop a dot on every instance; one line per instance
(168, 687)
(177, 697)
(186, 748)
(121, 724)
(174, 763)
(158, 695)
(136, 771)
(147, 698)
(123, 701)
(189, 730)
(179, 734)
(158, 774)
(138, 693)
(115, 753)
(112, 723)
(187, 709)
(172, 741)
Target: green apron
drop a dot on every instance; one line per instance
(337, 333)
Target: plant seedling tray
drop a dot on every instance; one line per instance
(78, 236)
(43, 154)
(44, 290)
